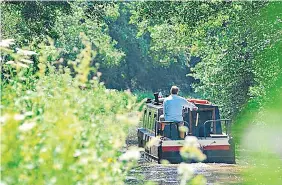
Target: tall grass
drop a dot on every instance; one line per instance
(58, 127)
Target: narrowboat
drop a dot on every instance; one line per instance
(213, 133)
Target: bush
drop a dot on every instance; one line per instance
(60, 129)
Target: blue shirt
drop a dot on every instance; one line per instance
(173, 106)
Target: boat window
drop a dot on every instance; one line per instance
(144, 118)
(154, 121)
(149, 120)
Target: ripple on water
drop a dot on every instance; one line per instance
(167, 174)
(215, 173)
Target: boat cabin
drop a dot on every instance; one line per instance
(213, 133)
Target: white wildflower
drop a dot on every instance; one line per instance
(44, 149)
(165, 162)
(6, 42)
(3, 118)
(53, 180)
(58, 149)
(77, 153)
(83, 161)
(10, 62)
(28, 92)
(238, 7)
(22, 78)
(107, 91)
(75, 49)
(2, 183)
(186, 172)
(99, 74)
(121, 117)
(19, 64)
(19, 117)
(29, 113)
(191, 141)
(29, 166)
(40, 160)
(27, 61)
(185, 168)
(183, 129)
(154, 141)
(131, 154)
(127, 91)
(25, 52)
(57, 166)
(27, 126)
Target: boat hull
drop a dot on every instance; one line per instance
(217, 150)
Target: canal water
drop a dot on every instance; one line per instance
(164, 174)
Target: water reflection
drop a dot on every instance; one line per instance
(167, 174)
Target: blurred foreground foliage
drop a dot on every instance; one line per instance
(258, 127)
(58, 127)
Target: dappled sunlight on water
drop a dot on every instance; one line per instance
(167, 174)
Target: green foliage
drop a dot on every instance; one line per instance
(259, 130)
(258, 126)
(32, 22)
(215, 31)
(125, 60)
(55, 119)
(173, 26)
(141, 95)
(67, 29)
(60, 129)
(239, 44)
(139, 70)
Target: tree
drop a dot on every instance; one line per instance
(139, 70)
(217, 33)
(33, 22)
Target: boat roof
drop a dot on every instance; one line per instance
(198, 102)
